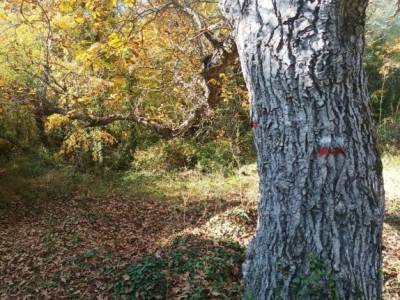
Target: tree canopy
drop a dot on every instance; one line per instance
(81, 71)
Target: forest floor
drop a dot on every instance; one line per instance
(67, 235)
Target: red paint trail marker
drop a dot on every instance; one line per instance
(339, 151)
(254, 125)
(324, 151)
(335, 151)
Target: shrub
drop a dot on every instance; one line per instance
(172, 155)
(85, 148)
(389, 134)
(215, 156)
(6, 148)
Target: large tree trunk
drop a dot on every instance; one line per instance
(321, 188)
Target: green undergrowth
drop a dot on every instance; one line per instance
(191, 268)
(33, 180)
(201, 264)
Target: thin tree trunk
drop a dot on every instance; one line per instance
(321, 208)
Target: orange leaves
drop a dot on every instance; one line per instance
(118, 81)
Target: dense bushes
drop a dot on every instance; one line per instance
(389, 134)
(382, 59)
(171, 155)
(181, 154)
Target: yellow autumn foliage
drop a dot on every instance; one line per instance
(54, 122)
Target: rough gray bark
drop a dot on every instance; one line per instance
(321, 188)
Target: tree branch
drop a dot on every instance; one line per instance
(213, 65)
(164, 131)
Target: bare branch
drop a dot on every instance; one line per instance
(198, 23)
(215, 64)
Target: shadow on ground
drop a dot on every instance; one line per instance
(192, 267)
(393, 220)
(138, 236)
(83, 246)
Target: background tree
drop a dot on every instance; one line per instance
(88, 70)
(92, 68)
(382, 62)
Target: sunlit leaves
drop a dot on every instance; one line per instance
(114, 41)
(90, 142)
(382, 57)
(54, 122)
(66, 6)
(101, 57)
(65, 22)
(3, 16)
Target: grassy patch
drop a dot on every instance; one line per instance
(33, 183)
(140, 235)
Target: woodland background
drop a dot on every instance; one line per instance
(115, 181)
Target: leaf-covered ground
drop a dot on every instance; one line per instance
(140, 236)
